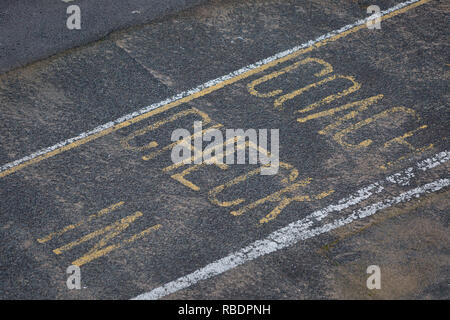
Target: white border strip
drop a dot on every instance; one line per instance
(301, 229)
(199, 88)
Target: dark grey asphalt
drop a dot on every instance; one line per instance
(51, 100)
(35, 29)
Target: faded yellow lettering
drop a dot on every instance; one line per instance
(251, 86)
(355, 86)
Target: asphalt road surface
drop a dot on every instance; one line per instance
(87, 179)
(33, 30)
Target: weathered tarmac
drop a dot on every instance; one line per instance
(363, 109)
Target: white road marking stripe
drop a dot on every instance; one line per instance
(436, 160)
(302, 229)
(198, 88)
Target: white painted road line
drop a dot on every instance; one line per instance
(9, 166)
(303, 228)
